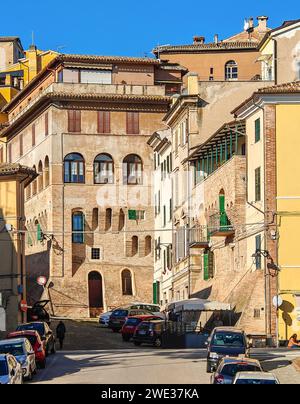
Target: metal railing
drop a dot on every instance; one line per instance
(219, 222)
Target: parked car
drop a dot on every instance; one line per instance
(152, 308)
(255, 378)
(104, 319)
(132, 323)
(226, 341)
(22, 350)
(38, 312)
(149, 332)
(45, 333)
(229, 367)
(10, 370)
(37, 344)
(119, 317)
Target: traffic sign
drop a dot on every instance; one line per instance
(23, 306)
(41, 280)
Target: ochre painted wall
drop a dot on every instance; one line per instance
(288, 206)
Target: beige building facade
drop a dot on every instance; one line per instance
(84, 124)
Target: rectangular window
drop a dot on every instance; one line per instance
(170, 210)
(133, 124)
(46, 124)
(257, 130)
(74, 121)
(258, 184)
(78, 228)
(33, 134)
(103, 122)
(257, 251)
(165, 216)
(9, 153)
(95, 254)
(70, 76)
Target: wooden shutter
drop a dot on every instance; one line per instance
(33, 134)
(257, 130)
(74, 121)
(133, 123)
(103, 122)
(21, 144)
(257, 185)
(46, 124)
(205, 267)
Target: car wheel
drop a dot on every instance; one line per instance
(137, 343)
(157, 343)
(209, 368)
(42, 364)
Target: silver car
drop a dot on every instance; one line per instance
(10, 370)
(22, 350)
(104, 319)
(255, 378)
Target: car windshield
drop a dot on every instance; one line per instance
(13, 349)
(3, 368)
(153, 309)
(229, 339)
(133, 321)
(255, 381)
(32, 327)
(120, 313)
(233, 368)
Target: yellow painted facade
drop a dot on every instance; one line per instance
(288, 208)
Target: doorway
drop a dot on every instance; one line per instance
(95, 294)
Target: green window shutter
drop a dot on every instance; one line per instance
(132, 215)
(155, 292)
(205, 267)
(223, 215)
(257, 130)
(257, 185)
(211, 265)
(258, 260)
(39, 233)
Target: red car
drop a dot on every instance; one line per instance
(37, 345)
(132, 323)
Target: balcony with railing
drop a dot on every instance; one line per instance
(199, 237)
(220, 225)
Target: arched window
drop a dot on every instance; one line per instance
(133, 170)
(121, 220)
(40, 177)
(34, 185)
(126, 283)
(108, 219)
(231, 70)
(148, 245)
(103, 169)
(78, 228)
(74, 168)
(135, 245)
(46, 172)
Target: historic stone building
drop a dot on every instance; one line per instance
(84, 122)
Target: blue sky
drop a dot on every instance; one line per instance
(132, 27)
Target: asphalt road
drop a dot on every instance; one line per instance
(150, 366)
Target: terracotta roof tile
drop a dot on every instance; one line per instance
(293, 87)
(108, 59)
(11, 169)
(208, 46)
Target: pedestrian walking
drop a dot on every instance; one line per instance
(60, 333)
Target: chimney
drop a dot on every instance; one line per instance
(262, 23)
(199, 40)
(192, 84)
(216, 39)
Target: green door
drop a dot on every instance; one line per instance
(223, 216)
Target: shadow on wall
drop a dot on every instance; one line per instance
(37, 265)
(286, 309)
(9, 276)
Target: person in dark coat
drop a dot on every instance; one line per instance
(60, 333)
